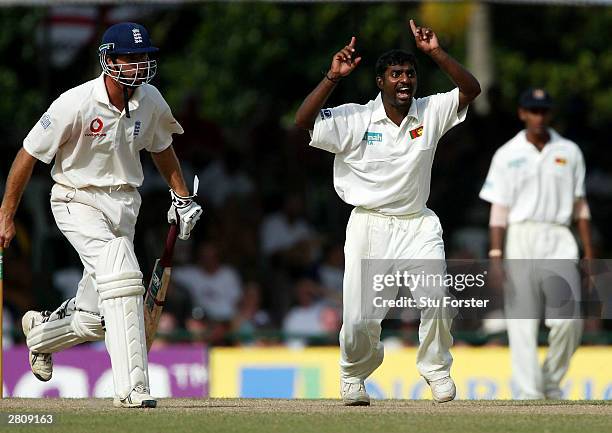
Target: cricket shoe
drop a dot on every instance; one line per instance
(40, 363)
(442, 390)
(354, 394)
(554, 394)
(138, 397)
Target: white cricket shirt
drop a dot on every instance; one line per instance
(93, 143)
(536, 186)
(381, 166)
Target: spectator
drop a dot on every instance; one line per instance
(290, 247)
(251, 317)
(214, 287)
(331, 273)
(224, 178)
(168, 326)
(287, 235)
(311, 317)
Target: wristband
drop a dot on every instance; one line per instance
(495, 253)
(336, 81)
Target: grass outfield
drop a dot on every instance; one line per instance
(320, 416)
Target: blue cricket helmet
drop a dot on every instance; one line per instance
(127, 38)
(123, 39)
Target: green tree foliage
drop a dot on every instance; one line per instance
(245, 60)
(22, 97)
(564, 49)
(250, 61)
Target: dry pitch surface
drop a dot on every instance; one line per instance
(295, 416)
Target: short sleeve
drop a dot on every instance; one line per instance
(444, 107)
(332, 129)
(166, 125)
(496, 189)
(579, 175)
(52, 130)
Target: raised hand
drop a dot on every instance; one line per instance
(425, 38)
(343, 62)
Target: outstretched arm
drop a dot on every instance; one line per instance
(342, 65)
(427, 41)
(18, 178)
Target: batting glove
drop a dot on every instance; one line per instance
(186, 211)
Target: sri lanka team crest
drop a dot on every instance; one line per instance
(416, 133)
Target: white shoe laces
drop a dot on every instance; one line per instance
(42, 360)
(141, 389)
(349, 388)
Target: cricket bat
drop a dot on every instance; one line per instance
(155, 295)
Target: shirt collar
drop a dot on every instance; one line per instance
(99, 92)
(554, 135)
(554, 138)
(101, 95)
(379, 113)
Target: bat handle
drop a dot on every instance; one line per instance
(166, 259)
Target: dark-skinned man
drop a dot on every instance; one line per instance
(536, 189)
(383, 157)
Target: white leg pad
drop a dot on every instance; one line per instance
(64, 328)
(119, 283)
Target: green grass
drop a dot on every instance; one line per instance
(320, 416)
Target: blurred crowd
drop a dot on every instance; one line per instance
(265, 264)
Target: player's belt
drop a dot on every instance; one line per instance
(112, 188)
(530, 223)
(109, 189)
(384, 215)
(123, 187)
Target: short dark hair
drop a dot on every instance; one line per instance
(392, 58)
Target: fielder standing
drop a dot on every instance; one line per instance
(536, 189)
(383, 157)
(95, 132)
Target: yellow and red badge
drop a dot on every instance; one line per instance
(417, 132)
(561, 161)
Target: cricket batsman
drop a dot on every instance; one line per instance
(383, 156)
(95, 133)
(536, 189)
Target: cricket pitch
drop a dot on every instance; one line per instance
(325, 416)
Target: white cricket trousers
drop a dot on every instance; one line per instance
(90, 218)
(534, 286)
(371, 235)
